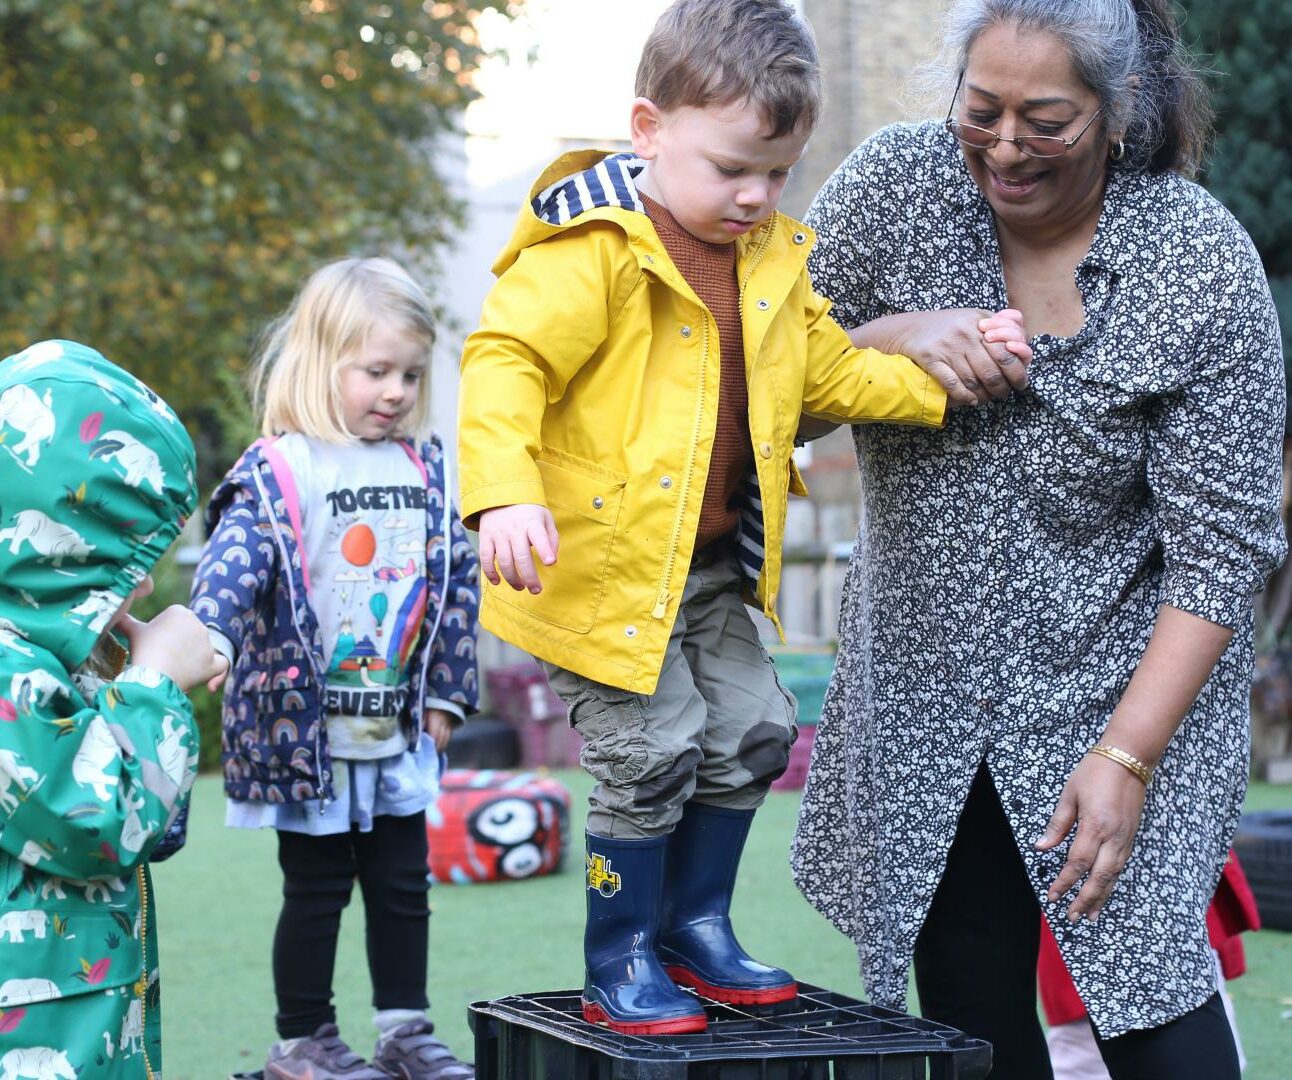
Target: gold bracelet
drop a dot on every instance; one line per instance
(1128, 761)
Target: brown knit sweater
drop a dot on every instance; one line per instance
(710, 269)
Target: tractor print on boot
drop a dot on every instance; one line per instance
(625, 987)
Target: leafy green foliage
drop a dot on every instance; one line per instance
(170, 172)
(1246, 43)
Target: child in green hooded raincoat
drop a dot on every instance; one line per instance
(97, 754)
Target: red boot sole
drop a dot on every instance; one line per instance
(727, 995)
(682, 1025)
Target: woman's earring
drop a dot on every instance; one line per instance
(1117, 152)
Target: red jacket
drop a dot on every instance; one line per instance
(1232, 911)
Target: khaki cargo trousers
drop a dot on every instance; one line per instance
(717, 729)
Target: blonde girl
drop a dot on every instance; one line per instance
(340, 584)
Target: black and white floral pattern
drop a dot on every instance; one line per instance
(1008, 568)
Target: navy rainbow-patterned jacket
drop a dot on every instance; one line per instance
(251, 586)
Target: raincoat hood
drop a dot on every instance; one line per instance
(580, 187)
(97, 476)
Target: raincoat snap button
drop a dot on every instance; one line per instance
(666, 481)
(686, 331)
(763, 305)
(630, 631)
(765, 449)
(800, 238)
(598, 502)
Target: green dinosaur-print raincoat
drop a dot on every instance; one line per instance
(96, 478)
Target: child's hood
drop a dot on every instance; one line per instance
(97, 476)
(585, 185)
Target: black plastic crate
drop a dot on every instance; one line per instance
(819, 1036)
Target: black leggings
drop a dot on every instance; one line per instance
(318, 876)
(975, 967)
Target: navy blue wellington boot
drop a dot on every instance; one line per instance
(696, 944)
(625, 987)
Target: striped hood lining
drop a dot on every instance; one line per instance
(610, 182)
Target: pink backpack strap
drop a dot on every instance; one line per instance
(287, 485)
(416, 459)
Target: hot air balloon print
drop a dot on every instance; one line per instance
(378, 605)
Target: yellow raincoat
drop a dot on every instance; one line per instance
(591, 387)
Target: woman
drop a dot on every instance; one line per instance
(1046, 648)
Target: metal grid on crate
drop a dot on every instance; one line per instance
(550, 743)
(820, 1035)
(1263, 844)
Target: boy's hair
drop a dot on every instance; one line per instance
(296, 381)
(716, 52)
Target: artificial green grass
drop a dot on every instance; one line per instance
(218, 901)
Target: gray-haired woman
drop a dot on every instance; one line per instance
(1040, 703)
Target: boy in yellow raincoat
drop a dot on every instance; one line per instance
(628, 411)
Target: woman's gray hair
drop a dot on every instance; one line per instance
(1130, 55)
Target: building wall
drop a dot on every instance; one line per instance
(868, 49)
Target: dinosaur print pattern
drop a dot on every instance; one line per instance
(96, 478)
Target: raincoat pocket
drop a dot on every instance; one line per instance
(585, 500)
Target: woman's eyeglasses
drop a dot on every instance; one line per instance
(1037, 146)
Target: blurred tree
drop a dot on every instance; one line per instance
(1247, 42)
(170, 172)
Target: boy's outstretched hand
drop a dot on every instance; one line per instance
(175, 643)
(507, 534)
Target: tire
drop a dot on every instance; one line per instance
(1264, 846)
(484, 742)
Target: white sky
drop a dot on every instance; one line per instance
(565, 72)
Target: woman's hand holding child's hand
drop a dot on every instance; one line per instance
(507, 534)
(974, 354)
(175, 643)
(1005, 329)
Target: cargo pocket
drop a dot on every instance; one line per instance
(615, 748)
(584, 500)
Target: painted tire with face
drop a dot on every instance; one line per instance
(497, 826)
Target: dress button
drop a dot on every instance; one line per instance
(985, 704)
(630, 631)
(763, 305)
(666, 481)
(800, 238)
(598, 502)
(686, 331)
(765, 449)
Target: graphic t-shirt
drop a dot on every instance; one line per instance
(363, 525)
